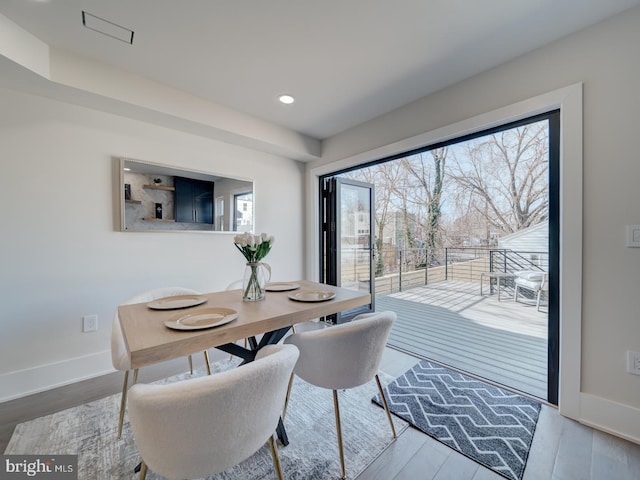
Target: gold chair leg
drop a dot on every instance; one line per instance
(206, 362)
(386, 406)
(336, 407)
(286, 399)
(276, 458)
(190, 365)
(143, 471)
(123, 403)
(123, 400)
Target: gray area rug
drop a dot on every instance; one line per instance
(490, 425)
(90, 432)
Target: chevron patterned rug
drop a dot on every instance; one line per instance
(490, 425)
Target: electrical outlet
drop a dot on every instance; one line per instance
(89, 323)
(633, 362)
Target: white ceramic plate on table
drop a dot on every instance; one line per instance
(312, 296)
(281, 286)
(177, 301)
(202, 318)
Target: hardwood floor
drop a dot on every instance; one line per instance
(562, 449)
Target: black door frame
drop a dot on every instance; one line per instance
(330, 241)
(553, 314)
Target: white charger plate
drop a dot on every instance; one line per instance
(202, 318)
(281, 286)
(312, 296)
(177, 301)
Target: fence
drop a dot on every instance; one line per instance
(399, 269)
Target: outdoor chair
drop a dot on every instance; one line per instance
(535, 282)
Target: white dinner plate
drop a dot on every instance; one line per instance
(312, 296)
(202, 318)
(177, 301)
(281, 286)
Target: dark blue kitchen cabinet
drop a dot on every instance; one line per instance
(193, 200)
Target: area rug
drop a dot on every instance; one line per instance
(490, 425)
(89, 431)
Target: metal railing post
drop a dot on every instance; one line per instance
(400, 273)
(426, 267)
(446, 263)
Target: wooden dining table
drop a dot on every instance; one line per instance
(148, 340)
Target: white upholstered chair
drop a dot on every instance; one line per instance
(534, 281)
(344, 356)
(202, 426)
(119, 356)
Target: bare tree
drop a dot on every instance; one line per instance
(504, 177)
(427, 169)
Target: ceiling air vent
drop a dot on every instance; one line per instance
(107, 28)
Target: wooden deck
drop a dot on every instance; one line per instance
(449, 322)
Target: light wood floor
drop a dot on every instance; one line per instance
(562, 449)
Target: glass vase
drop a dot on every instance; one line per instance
(256, 276)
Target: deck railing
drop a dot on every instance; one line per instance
(399, 269)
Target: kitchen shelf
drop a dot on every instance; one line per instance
(136, 202)
(159, 187)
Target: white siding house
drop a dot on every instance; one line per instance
(532, 243)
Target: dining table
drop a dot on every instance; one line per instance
(154, 334)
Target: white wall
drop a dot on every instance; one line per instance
(61, 255)
(604, 59)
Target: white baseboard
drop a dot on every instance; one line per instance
(45, 377)
(615, 418)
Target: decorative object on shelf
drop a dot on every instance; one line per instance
(254, 248)
(159, 211)
(157, 181)
(127, 191)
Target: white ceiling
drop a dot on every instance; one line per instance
(345, 61)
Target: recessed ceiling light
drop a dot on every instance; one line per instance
(286, 99)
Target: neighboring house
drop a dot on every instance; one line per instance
(531, 243)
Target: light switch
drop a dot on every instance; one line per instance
(633, 235)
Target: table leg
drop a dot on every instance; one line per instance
(249, 355)
(282, 433)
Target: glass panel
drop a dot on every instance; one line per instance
(355, 237)
(244, 212)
